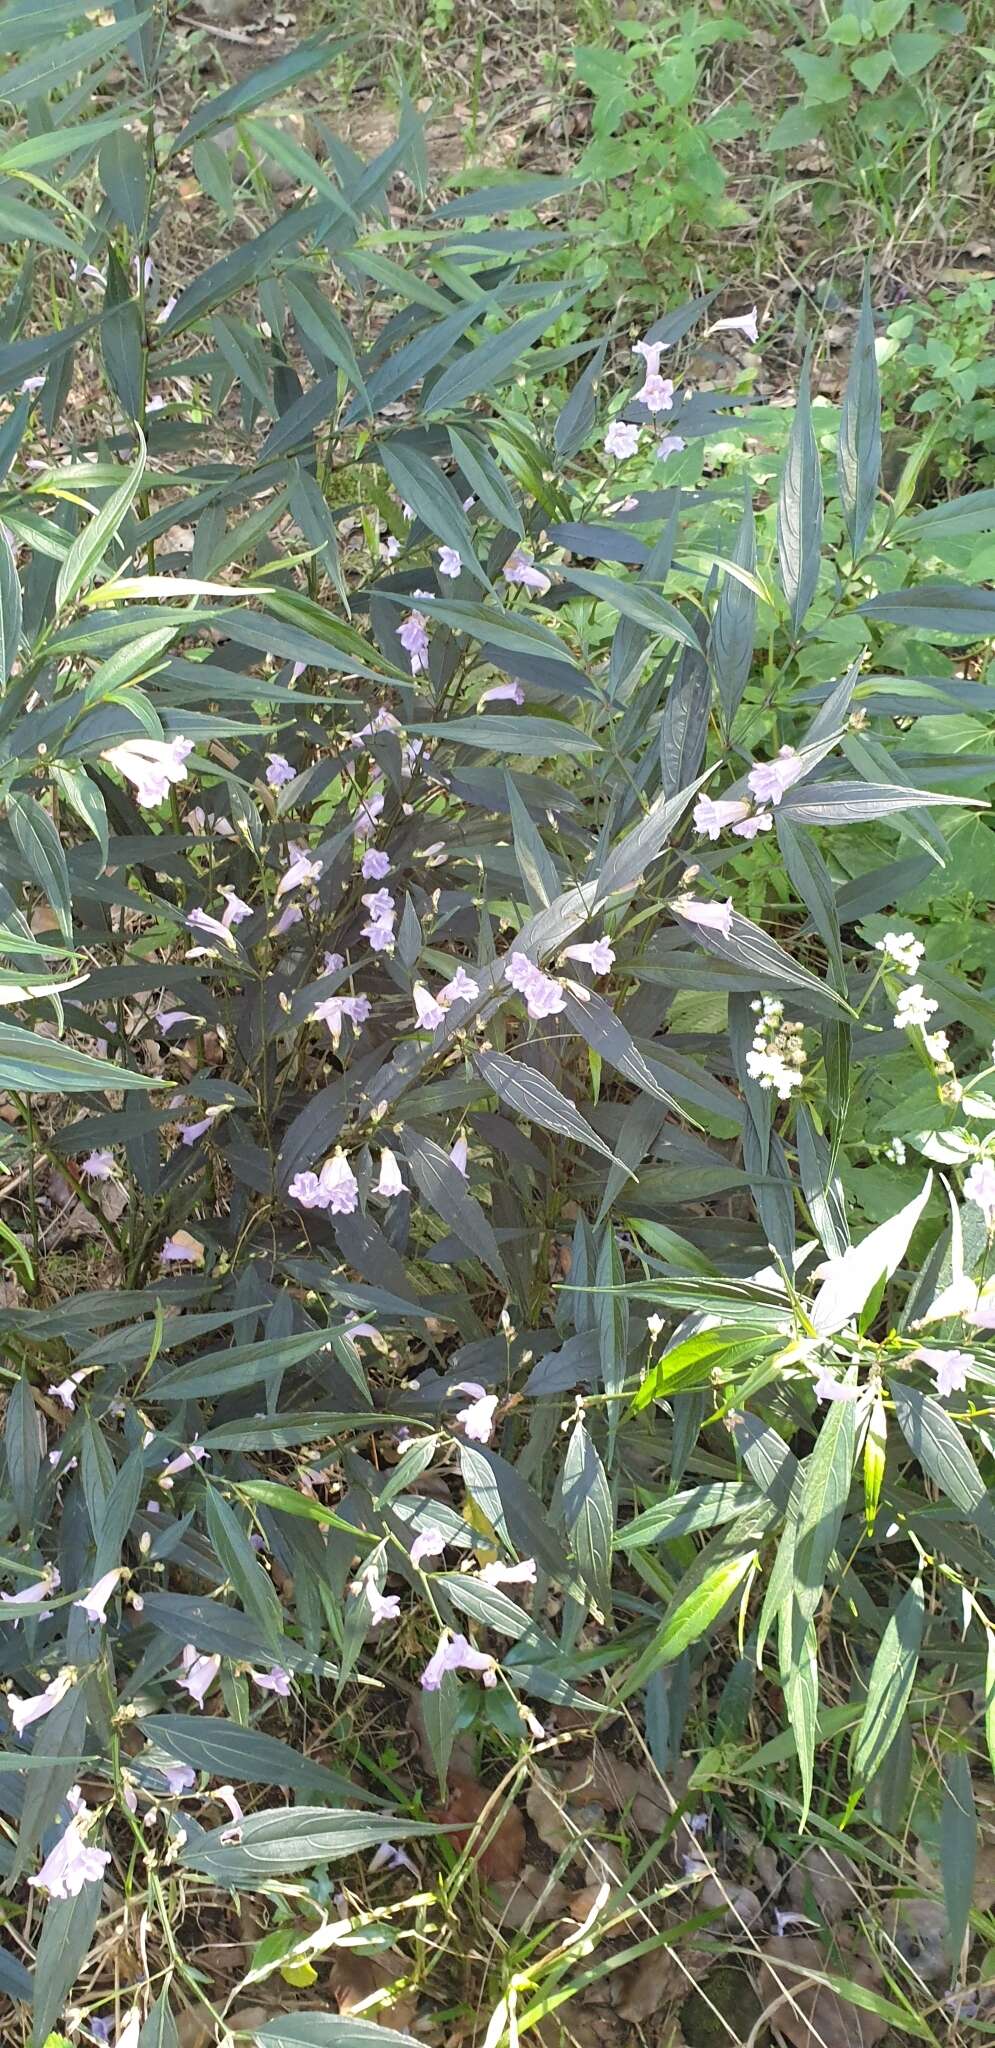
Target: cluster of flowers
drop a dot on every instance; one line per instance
(412, 632)
(776, 1058)
(913, 1007)
(657, 392)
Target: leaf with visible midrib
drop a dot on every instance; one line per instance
(799, 508)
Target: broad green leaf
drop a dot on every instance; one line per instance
(329, 2030)
(849, 1279)
(702, 1596)
(588, 1515)
(227, 1750)
(800, 1683)
(635, 601)
(283, 1840)
(159, 2026)
(528, 1090)
(66, 1933)
(63, 59)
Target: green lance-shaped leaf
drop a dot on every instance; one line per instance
(286, 1839)
(40, 846)
(66, 1934)
(799, 508)
(588, 1514)
(330, 2029)
(799, 1663)
(934, 1438)
(445, 1191)
(423, 486)
(90, 546)
(958, 1848)
(891, 1680)
(490, 364)
(159, 2026)
(529, 1092)
(701, 1596)
(859, 451)
(824, 1493)
(730, 642)
(10, 609)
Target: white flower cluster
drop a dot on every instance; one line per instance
(777, 1055)
(901, 949)
(914, 1008)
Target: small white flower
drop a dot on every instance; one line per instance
(901, 949)
(390, 1182)
(914, 1008)
(737, 323)
(450, 562)
(711, 817)
(477, 1418)
(523, 1574)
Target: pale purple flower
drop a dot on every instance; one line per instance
(381, 906)
(98, 1166)
(950, 1368)
(450, 562)
(167, 1018)
(129, 2033)
(290, 915)
(183, 1461)
(597, 954)
(275, 1680)
(333, 963)
(306, 1189)
(65, 1390)
(656, 392)
(428, 1543)
(383, 720)
(370, 808)
(456, 1654)
(42, 1589)
(477, 1418)
(94, 1603)
(152, 765)
(712, 917)
(413, 636)
(430, 1014)
(156, 403)
(502, 693)
(382, 1606)
(520, 569)
(176, 1253)
(340, 1185)
(737, 323)
(386, 1857)
(459, 1155)
(237, 909)
(711, 817)
(621, 440)
(670, 444)
(758, 821)
(523, 1574)
(226, 1795)
(202, 921)
(543, 996)
(381, 934)
(190, 1133)
(390, 1182)
(979, 1187)
(769, 779)
(390, 547)
(199, 1673)
(374, 865)
(302, 869)
(826, 1387)
(179, 1778)
(72, 1863)
(334, 1009)
(163, 315)
(24, 1712)
(461, 988)
(279, 771)
(36, 383)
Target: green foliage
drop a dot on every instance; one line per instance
(510, 1062)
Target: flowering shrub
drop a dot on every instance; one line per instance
(448, 975)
